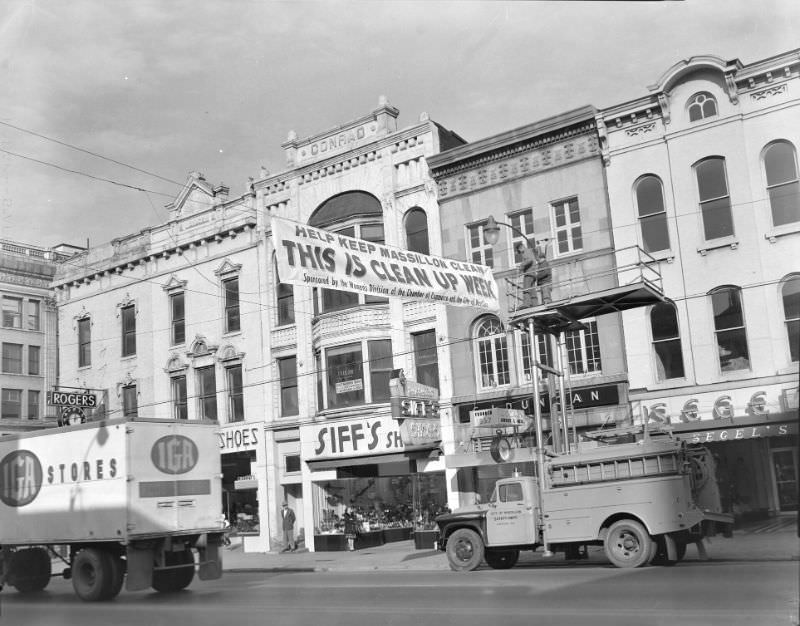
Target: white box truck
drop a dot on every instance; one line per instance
(127, 500)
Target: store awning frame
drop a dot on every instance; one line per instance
(374, 459)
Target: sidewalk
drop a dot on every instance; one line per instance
(767, 540)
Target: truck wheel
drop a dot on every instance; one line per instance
(501, 559)
(628, 544)
(464, 550)
(30, 570)
(170, 580)
(117, 576)
(92, 574)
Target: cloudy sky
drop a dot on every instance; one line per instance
(170, 86)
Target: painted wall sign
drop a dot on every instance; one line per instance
(342, 141)
(311, 256)
(239, 438)
(713, 406)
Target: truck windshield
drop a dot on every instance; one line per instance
(509, 492)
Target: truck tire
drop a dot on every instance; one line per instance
(171, 580)
(628, 544)
(501, 559)
(30, 570)
(92, 574)
(464, 550)
(118, 567)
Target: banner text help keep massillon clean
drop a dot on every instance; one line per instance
(310, 256)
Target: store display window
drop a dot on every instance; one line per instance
(384, 508)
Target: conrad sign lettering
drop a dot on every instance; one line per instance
(335, 144)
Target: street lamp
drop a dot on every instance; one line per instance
(491, 233)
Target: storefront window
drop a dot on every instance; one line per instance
(380, 504)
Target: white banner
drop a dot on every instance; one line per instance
(311, 256)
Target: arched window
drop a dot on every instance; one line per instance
(729, 329)
(790, 293)
(417, 231)
(355, 214)
(491, 350)
(652, 214)
(783, 187)
(666, 341)
(701, 106)
(715, 202)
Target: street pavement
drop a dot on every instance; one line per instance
(775, 539)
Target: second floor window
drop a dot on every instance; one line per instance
(177, 318)
(34, 312)
(206, 393)
(12, 358)
(478, 249)
(33, 404)
(380, 368)
(231, 288)
(178, 391)
(130, 403)
(336, 300)
(425, 358)
(522, 222)
(729, 329)
(790, 293)
(652, 214)
(34, 360)
(287, 373)
(543, 353)
(567, 226)
(583, 349)
(285, 299)
(783, 187)
(12, 312)
(84, 342)
(491, 349)
(715, 203)
(128, 314)
(235, 394)
(12, 404)
(666, 341)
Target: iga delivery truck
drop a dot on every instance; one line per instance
(129, 500)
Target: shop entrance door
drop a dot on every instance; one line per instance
(784, 467)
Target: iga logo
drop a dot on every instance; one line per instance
(20, 478)
(174, 454)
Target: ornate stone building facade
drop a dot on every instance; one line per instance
(703, 174)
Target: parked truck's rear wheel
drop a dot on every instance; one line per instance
(628, 544)
(92, 574)
(464, 550)
(30, 570)
(118, 566)
(170, 580)
(501, 559)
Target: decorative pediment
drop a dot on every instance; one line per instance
(126, 302)
(200, 347)
(125, 382)
(196, 195)
(227, 268)
(174, 284)
(81, 315)
(229, 353)
(175, 364)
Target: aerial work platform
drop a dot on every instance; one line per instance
(588, 286)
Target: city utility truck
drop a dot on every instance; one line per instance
(126, 500)
(643, 502)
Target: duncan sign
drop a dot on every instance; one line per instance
(310, 256)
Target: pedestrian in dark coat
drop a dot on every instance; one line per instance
(287, 523)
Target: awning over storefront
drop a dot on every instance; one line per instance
(399, 457)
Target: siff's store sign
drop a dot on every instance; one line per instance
(357, 437)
